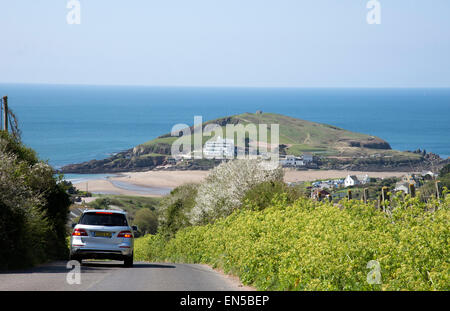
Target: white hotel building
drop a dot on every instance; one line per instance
(219, 149)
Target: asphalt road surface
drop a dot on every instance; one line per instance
(112, 276)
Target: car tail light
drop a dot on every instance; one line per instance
(125, 234)
(79, 232)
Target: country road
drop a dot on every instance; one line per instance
(112, 276)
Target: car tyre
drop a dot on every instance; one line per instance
(128, 262)
(77, 259)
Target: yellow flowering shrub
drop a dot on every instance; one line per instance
(313, 245)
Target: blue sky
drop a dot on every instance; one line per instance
(278, 43)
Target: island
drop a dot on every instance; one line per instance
(302, 145)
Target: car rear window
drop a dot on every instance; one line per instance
(103, 219)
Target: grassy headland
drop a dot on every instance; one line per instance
(334, 148)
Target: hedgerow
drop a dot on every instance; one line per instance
(310, 245)
(33, 208)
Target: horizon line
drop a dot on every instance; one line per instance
(224, 86)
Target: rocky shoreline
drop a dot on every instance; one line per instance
(121, 163)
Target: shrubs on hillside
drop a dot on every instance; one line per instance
(261, 195)
(310, 245)
(224, 190)
(176, 208)
(226, 185)
(274, 238)
(33, 208)
(146, 220)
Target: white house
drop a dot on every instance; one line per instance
(219, 149)
(364, 179)
(291, 160)
(401, 187)
(428, 175)
(351, 181)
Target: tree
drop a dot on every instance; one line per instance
(444, 171)
(146, 220)
(33, 207)
(175, 209)
(226, 185)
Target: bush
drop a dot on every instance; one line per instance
(226, 185)
(175, 209)
(260, 196)
(146, 220)
(445, 171)
(310, 245)
(33, 208)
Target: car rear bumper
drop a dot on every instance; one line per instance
(111, 252)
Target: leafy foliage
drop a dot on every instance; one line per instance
(176, 207)
(310, 245)
(226, 185)
(33, 207)
(146, 220)
(260, 196)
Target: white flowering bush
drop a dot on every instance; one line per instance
(226, 185)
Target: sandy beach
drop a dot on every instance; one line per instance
(158, 183)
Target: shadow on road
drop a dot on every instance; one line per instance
(105, 264)
(86, 267)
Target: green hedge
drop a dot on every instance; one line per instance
(33, 208)
(311, 245)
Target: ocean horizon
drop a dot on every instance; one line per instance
(75, 123)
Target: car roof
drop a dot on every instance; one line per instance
(104, 210)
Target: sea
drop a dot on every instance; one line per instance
(75, 123)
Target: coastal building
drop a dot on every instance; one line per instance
(351, 180)
(428, 175)
(219, 148)
(401, 186)
(291, 161)
(307, 157)
(364, 179)
(409, 179)
(319, 194)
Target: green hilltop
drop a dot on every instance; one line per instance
(334, 147)
(298, 136)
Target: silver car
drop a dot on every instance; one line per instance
(103, 234)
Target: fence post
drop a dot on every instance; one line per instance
(384, 193)
(412, 190)
(437, 189)
(365, 195)
(384, 196)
